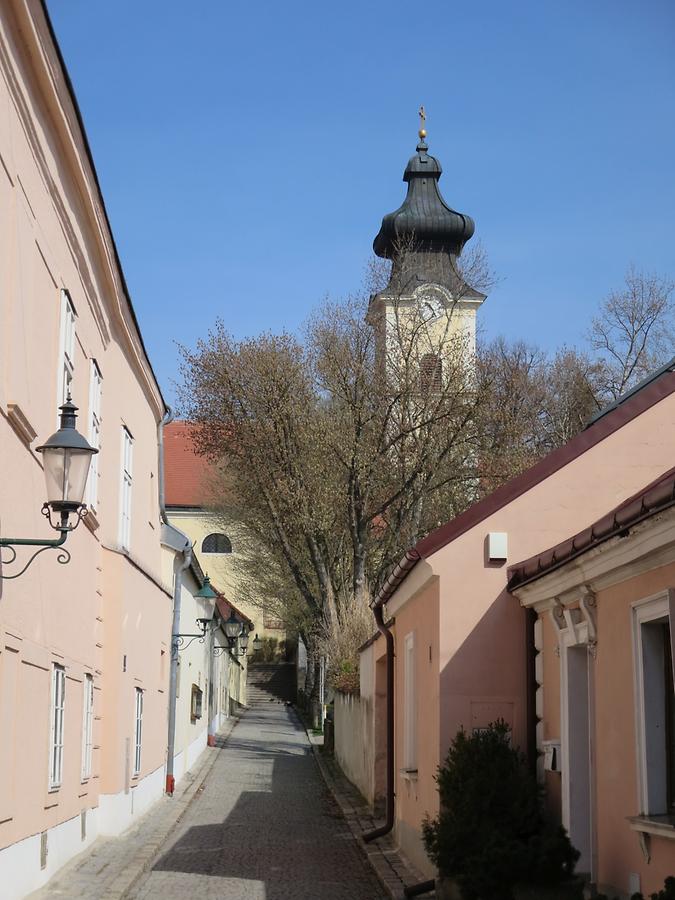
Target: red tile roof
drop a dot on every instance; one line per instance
(185, 473)
(661, 384)
(656, 497)
(224, 606)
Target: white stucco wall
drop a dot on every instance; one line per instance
(354, 749)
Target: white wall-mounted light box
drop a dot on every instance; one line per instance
(551, 752)
(497, 546)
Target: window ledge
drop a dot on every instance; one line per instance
(662, 826)
(20, 423)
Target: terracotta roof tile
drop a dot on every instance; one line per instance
(224, 607)
(185, 473)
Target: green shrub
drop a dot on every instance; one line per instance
(491, 833)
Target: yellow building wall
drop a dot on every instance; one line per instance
(220, 567)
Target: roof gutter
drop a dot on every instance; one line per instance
(405, 565)
(515, 583)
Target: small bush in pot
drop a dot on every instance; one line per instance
(491, 834)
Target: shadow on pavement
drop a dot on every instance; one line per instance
(291, 835)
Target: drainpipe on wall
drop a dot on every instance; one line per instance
(389, 819)
(179, 542)
(531, 690)
(210, 705)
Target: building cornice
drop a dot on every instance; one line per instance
(649, 545)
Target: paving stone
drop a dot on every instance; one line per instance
(264, 827)
(393, 869)
(257, 820)
(109, 868)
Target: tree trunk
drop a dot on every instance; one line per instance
(312, 684)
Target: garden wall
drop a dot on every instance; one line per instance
(354, 744)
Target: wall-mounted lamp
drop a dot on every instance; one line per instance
(235, 630)
(209, 596)
(66, 458)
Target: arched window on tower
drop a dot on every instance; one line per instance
(431, 373)
(216, 543)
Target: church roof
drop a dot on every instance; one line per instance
(424, 217)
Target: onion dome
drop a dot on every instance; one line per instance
(424, 217)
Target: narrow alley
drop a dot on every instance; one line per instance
(263, 827)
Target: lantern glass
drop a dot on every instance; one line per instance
(66, 457)
(66, 470)
(232, 627)
(257, 643)
(243, 640)
(208, 596)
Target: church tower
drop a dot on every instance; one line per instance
(423, 239)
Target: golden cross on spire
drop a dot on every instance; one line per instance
(423, 121)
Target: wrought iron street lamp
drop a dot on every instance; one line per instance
(232, 627)
(257, 643)
(66, 457)
(235, 630)
(209, 596)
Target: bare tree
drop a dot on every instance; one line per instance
(339, 448)
(573, 394)
(335, 460)
(634, 330)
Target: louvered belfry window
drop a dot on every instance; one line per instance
(431, 373)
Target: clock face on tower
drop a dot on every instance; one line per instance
(431, 306)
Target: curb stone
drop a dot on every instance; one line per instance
(391, 869)
(149, 839)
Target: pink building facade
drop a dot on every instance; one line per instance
(605, 694)
(461, 644)
(84, 647)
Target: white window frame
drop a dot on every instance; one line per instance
(66, 347)
(138, 730)
(651, 769)
(410, 706)
(87, 724)
(95, 389)
(57, 726)
(126, 488)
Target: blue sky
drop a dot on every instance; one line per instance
(247, 152)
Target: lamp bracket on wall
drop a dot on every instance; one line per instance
(219, 649)
(63, 526)
(62, 557)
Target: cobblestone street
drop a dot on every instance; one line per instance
(264, 826)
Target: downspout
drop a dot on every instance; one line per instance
(389, 819)
(210, 733)
(186, 551)
(531, 690)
